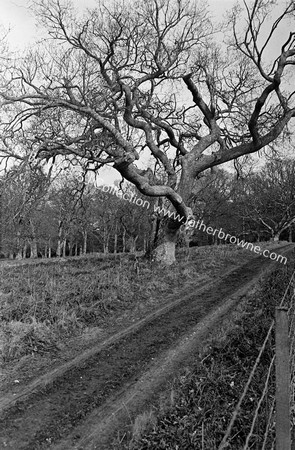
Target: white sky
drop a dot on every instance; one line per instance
(16, 15)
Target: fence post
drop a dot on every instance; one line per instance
(283, 431)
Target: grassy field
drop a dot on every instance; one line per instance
(51, 309)
(202, 399)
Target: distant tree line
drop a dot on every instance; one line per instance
(45, 216)
(256, 207)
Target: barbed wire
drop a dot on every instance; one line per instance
(250, 434)
(223, 443)
(269, 423)
(291, 317)
(287, 288)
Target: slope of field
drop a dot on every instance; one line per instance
(51, 310)
(45, 416)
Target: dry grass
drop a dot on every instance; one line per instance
(44, 304)
(142, 424)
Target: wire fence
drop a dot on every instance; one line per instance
(266, 431)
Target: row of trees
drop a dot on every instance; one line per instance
(260, 206)
(42, 216)
(127, 82)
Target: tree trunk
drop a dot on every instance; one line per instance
(33, 243)
(19, 254)
(59, 242)
(76, 249)
(58, 249)
(34, 249)
(106, 238)
(85, 237)
(49, 248)
(275, 236)
(116, 240)
(153, 235)
(116, 244)
(290, 233)
(168, 230)
(64, 248)
(124, 241)
(165, 245)
(132, 244)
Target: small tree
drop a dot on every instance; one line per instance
(24, 195)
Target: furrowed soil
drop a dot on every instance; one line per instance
(87, 402)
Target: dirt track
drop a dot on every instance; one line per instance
(82, 407)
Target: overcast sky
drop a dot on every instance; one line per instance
(16, 15)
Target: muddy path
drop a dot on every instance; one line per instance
(77, 409)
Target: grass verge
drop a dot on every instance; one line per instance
(203, 397)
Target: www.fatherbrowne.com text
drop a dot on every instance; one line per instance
(192, 224)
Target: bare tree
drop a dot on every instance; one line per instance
(212, 203)
(269, 198)
(24, 194)
(125, 83)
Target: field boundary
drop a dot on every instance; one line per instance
(281, 363)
